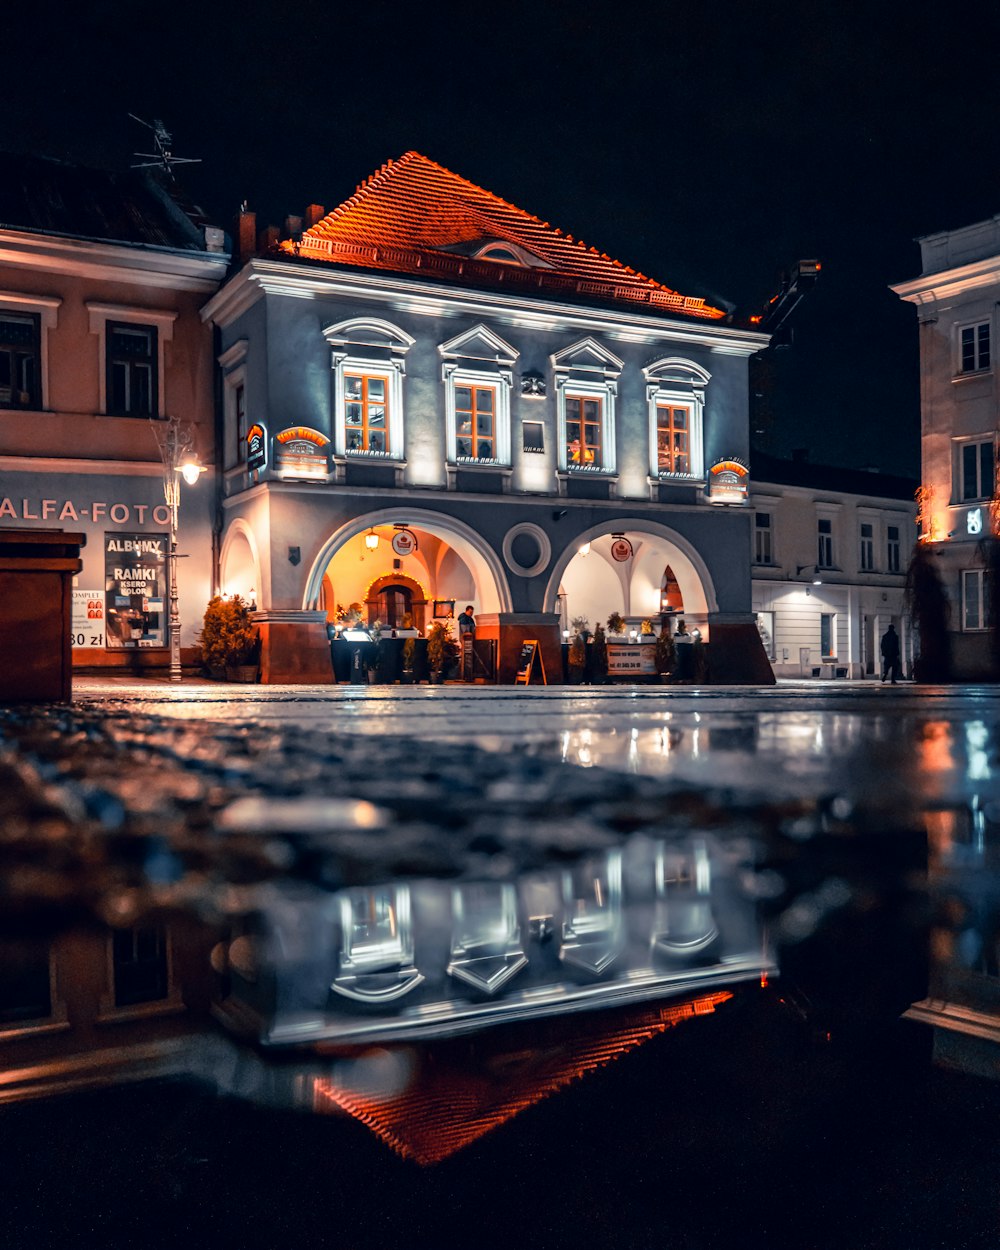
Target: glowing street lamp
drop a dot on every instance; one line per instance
(371, 540)
(175, 440)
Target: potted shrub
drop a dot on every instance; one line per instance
(598, 656)
(577, 659)
(664, 653)
(230, 641)
(616, 623)
(442, 650)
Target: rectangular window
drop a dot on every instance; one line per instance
(824, 543)
(583, 432)
(867, 546)
(139, 958)
(533, 436)
(240, 407)
(762, 550)
(475, 422)
(673, 430)
(131, 370)
(977, 470)
(827, 635)
(892, 548)
(975, 599)
(975, 347)
(25, 982)
(366, 413)
(20, 361)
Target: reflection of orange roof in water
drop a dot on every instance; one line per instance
(449, 1106)
(415, 216)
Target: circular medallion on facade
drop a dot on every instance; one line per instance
(526, 549)
(404, 543)
(621, 549)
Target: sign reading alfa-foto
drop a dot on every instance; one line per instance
(49, 510)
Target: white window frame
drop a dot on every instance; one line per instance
(586, 370)
(233, 363)
(375, 349)
(162, 319)
(891, 543)
(500, 383)
(868, 516)
(769, 531)
(825, 540)
(959, 445)
(974, 326)
(678, 383)
(979, 576)
(832, 653)
(46, 309)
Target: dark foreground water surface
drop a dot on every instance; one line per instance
(454, 967)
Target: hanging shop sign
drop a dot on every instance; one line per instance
(301, 453)
(87, 620)
(404, 542)
(728, 481)
(621, 549)
(974, 521)
(256, 448)
(135, 569)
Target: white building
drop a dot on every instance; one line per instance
(956, 299)
(830, 548)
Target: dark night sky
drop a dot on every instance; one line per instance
(709, 144)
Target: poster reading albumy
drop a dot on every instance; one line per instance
(135, 573)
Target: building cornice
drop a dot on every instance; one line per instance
(113, 262)
(946, 284)
(417, 296)
(67, 464)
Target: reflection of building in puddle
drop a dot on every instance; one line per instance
(649, 920)
(963, 999)
(427, 1105)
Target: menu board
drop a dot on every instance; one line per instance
(530, 667)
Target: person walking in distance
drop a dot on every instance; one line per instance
(889, 647)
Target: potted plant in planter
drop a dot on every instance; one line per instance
(664, 653)
(230, 641)
(577, 659)
(616, 623)
(442, 651)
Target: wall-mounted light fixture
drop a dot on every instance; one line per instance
(816, 579)
(371, 540)
(583, 549)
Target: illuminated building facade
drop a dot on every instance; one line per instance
(956, 298)
(432, 398)
(829, 552)
(102, 277)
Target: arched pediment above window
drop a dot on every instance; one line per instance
(674, 371)
(587, 358)
(479, 343)
(368, 332)
(503, 252)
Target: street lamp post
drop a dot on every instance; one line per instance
(175, 440)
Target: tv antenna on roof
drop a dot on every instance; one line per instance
(162, 158)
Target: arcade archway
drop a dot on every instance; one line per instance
(239, 563)
(655, 573)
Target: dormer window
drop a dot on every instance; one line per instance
(501, 254)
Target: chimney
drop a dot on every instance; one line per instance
(314, 213)
(246, 235)
(268, 240)
(293, 228)
(215, 239)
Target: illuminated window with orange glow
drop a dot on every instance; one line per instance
(584, 431)
(366, 426)
(475, 422)
(673, 430)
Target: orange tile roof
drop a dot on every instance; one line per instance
(415, 216)
(446, 1104)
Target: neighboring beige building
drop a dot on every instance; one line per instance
(956, 299)
(830, 548)
(102, 277)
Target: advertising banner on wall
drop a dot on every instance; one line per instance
(135, 590)
(87, 626)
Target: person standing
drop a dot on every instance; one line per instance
(466, 636)
(683, 649)
(889, 646)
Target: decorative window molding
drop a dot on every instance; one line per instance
(160, 319)
(503, 252)
(478, 377)
(368, 347)
(586, 371)
(233, 363)
(974, 468)
(972, 347)
(46, 309)
(672, 384)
